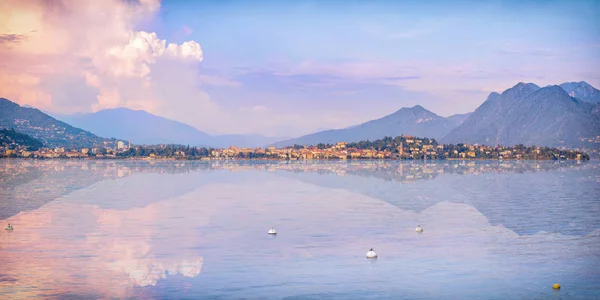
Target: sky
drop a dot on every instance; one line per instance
(287, 68)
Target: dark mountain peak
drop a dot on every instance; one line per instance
(493, 96)
(4, 101)
(575, 85)
(527, 87)
(551, 91)
(416, 110)
(555, 88)
(582, 91)
(526, 84)
(520, 90)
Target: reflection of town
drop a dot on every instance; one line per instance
(15, 172)
(32, 183)
(18, 172)
(402, 171)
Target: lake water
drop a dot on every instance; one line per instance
(198, 230)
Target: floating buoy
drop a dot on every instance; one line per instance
(556, 286)
(272, 231)
(371, 254)
(419, 229)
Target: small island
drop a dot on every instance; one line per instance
(17, 145)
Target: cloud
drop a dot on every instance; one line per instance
(117, 262)
(442, 83)
(514, 48)
(216, 80)
(85, 56)
(11, 38)
(256, 108)
(95, 42)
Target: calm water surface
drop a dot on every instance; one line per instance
(198, 230)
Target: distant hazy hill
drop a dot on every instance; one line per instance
(582, 91)
(530, 115)
(416, 121)
(458, 118)
(51, 132)
(241, 140)
(141, 127)
(137, 126)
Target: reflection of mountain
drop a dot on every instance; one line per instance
(29, 184)
(108, 252)
(526, 197)
(107, 249)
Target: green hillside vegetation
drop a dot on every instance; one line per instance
(10, 138)
(52, 132)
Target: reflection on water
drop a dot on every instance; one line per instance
(199, 230)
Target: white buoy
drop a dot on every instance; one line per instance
(371, 254)
(272, 231)
(419, 229)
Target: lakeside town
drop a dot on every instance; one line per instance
(402, 147)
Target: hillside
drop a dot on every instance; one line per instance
(530, 115)
(10, 138)
(416, 121)
(51, 132)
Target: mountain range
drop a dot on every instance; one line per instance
(142, 128)
(559, 115)
(524, 114)
(415, 120)
(530, 115)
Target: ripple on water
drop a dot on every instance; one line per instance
(132, 229)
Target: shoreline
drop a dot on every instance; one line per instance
(282, 159)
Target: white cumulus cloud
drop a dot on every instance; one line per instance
(91, 47)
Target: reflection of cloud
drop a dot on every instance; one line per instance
(217, 80)
(109, 251)
(106, 248)
(147, 272)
